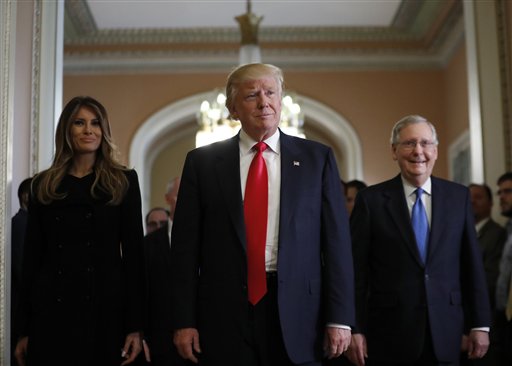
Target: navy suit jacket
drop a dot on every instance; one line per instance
(315, 273)
(398, 298)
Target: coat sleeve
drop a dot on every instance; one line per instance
(133, 255)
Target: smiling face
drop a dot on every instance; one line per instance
(257, 105)
(85, 132)
(415, 162)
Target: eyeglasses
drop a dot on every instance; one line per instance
(411, 144)
(504, 191)
(156, 224)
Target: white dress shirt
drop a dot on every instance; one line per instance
(272, 156)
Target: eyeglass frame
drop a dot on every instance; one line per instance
(411, 144)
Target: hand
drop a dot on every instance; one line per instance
(358, 350)
(147, 352)
(132, 348)
(336, 341)
(186, 341)
(20, 351)
(478, 344)
(464, 343)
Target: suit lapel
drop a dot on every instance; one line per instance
(227, 170)
(397, 209)
(290, 172)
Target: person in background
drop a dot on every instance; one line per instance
(82, 299)
(158, 345)
(491, 237)
(18, 227)
(351, 189)
(503, 323)
(420, 280)
(156, 218)
(261, 261)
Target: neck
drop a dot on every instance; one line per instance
(82, 165)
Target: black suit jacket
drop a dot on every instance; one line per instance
(397, 297)
(209, 250)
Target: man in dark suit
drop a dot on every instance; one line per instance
(491, 237)
(306, 308)
(158, 345)
(420, 281)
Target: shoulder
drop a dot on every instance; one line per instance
(303, 143)
(389, 186)
(449, 187)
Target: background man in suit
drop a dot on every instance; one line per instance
(414, 302)
(158, 345)
(307, 297)
(156, 218)
(491, 237)
(503, 286)
(351, 189)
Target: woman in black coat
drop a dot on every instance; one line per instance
(83, 277)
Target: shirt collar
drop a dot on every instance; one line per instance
(247, 142)
(409, 189)
(481, 223)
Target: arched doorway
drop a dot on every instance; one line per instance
(169, 122)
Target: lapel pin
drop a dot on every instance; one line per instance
(296, 163)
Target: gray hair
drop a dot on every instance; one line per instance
(411, 120)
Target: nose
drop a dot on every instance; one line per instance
(262, 101)
(87, 128)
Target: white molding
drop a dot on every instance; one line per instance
(147, 142)
(7, 65)
(459, 156)
(47, 80)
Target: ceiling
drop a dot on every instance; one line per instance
(178, 36)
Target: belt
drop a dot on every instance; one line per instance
(271, 275)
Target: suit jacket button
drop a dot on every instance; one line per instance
(88, 215)
(427, 277)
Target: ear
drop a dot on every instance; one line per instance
(233, 113)
(393, 152)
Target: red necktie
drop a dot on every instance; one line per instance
(255, 213)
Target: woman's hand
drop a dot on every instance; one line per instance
(132, 347)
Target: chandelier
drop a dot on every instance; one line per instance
(213, 116)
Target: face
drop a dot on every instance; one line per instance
(415, 162)
(351, 198)
(505, 195)
(258, 107)
(481, 203)
(156, 219)
(86, 132)
(171, 198)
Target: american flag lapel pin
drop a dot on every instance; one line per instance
(296, 163)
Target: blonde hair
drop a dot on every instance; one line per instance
(250, 72)
(110, 174)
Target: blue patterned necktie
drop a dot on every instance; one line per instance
(420, 225)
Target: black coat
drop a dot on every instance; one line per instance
(83, 276)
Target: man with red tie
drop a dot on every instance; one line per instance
(261, 255)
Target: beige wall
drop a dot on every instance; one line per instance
(372, 101)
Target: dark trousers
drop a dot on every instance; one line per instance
(427, 357)
(265, 345)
